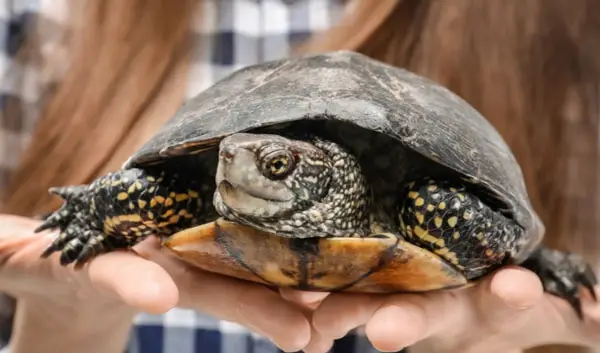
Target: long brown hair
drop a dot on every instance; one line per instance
(531, 67)
(121, 84)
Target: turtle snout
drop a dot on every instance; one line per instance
(237, 173)
(227, 154)
(226, 163)
(236, 165)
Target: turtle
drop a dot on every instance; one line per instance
(323, 172)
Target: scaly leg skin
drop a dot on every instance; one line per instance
(451, 222)
(444, 218)
(563, 274)
(121, 209)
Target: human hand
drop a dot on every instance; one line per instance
(117, 285)
(68, 309)
(251, 305)
(24, 275)
(505, 312)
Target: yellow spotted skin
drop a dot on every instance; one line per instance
(447, 219)
(120, 209)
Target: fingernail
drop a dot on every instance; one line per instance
(313, 297)
(303, 297)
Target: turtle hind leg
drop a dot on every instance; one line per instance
(563, 274)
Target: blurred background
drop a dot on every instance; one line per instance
(85, 83)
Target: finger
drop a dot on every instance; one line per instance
(318, 343)
(340, 313)
(251, 305)
(507, 297)
(16, 226)
(22, 244)
(397, 324)
(139, 283)
(309, 300)
(16, 235)
(496, 302)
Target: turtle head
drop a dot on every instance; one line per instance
(265, 176)
(293, 188)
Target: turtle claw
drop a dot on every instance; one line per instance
(66, 192)
(563, 274)
(58, 219)
(66, 213)
(49, 250)
(589, 280)
(48, 224)
(57, 244)
(76, 249)
(93, 246)
(75, 243)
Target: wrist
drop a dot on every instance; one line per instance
(43, 327)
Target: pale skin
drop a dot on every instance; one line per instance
(506, 312)
(74, 311)
(65, 309)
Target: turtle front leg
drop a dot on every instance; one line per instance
(563, 274)
(78, 243)
(75, 235)
(120, 209)
(444, 218)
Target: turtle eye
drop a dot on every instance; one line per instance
(277, 164)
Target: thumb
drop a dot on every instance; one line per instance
(138, 282)
(506, 297)
(497, 303)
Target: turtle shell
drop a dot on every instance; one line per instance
(344, 86)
